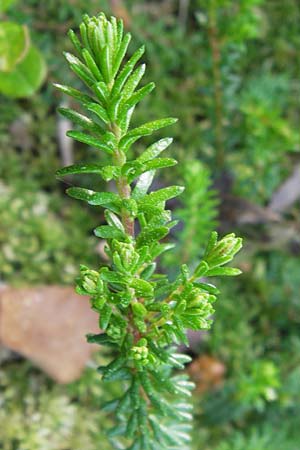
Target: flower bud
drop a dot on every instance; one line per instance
(114, 332)
(139, 353)
(89, 281)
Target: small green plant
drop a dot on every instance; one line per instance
(198, 214)
(142, 314)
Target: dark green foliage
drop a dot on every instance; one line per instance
(142, 312)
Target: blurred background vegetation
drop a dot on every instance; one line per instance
(230, 71)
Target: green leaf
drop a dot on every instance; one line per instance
(180, 331)
(143, 185)
(79, 168)
(100, 339)
(14, 45)
(223, 271)
(76, 42)
(79, 119)
(119, 32)
(132, 425)
(108, 232)
(117, 430)
(80, 69)
(159, 163)
(162, 195)
(158, 403)
(97, 28)
(105, 316)
(114, 221)
(201, 269)
(126, 71)
(26, 77)
(213, 239)
(132, 82)
(134, 99)
(89, 140)
(179, 360)
(154, 150)
(112, 277)
(150, 127)
(83, 33)
(161, 248)
(109, 406)
(144, 130)
(101, 92)
(162, 434)
(110, 172)
(113, 366)
(90, 62)
(92, 197)
(210, 288)
(113, 109)
(121, 54)
(141, 287)
(124, 404)
(107, 172)
(121, 374)
(73, 93)
(80, 193)
(139, 309)
(105, 59)
(98, 110)
(148, 271)
(148, 237)
(104, 198)
(110, 36)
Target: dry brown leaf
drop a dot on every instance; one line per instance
(48, 324)
(207, 373)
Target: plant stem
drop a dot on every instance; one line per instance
(214, 43)
(123, 186)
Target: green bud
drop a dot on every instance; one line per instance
(229, 245)
(139, 353)
(89, 281)
(223, 251)
(114, 332)
(125, 257)
(139, 310)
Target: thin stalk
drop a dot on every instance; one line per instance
(123, 186)
(215, 47)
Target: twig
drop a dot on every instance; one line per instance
(217, 82)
